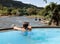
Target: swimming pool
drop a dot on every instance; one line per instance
(36, 36)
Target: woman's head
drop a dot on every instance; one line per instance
(25, 24)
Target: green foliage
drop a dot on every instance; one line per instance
(31, 11)
(52, 11)
(41, 12)
(11, 7)
(0, 11)
(14, 11)
(48, 10)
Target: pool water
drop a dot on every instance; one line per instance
(36, 36)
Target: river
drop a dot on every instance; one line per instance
(7, 22)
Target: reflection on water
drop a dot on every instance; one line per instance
(8, 21)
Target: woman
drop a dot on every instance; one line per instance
(26, 27)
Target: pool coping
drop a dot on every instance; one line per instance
(46, 27)
(32, 27)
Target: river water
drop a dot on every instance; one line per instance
(6, 22)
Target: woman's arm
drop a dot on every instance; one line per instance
(18, 28)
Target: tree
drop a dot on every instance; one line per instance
(15, 11)
(1, 6)
(53, 10)
(31, 11)
(9, 11)
(0, 12)
(55, 17)
(5, 11)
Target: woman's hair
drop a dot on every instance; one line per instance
(25, 24)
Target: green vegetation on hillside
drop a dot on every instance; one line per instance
(17, 8)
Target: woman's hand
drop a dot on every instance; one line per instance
(14, 27)
(29, 28)
(22, 29)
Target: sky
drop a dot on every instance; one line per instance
(39, 3)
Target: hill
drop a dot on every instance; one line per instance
(17, 8)
(17, 4)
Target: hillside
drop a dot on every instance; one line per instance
(17, 8)
(17, 4)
